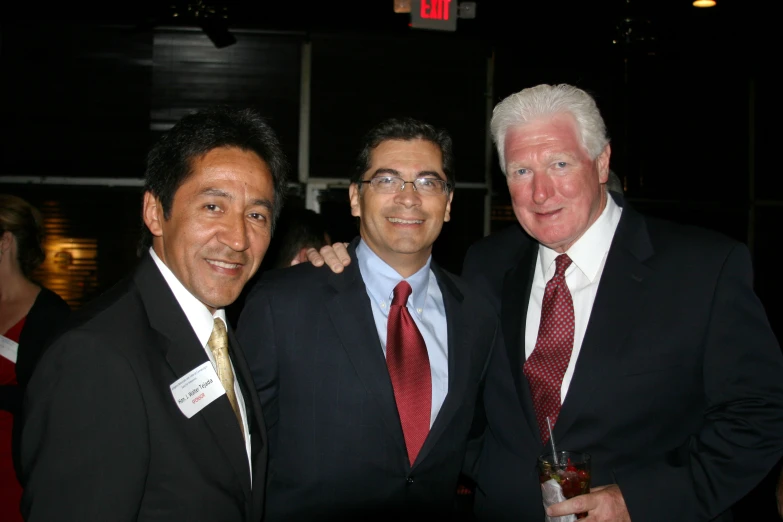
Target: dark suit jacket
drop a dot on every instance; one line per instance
(336, 446)
(104, 439)
(678, 389)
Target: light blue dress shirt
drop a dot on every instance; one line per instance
(425, 305)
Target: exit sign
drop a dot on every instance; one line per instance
(440, 15)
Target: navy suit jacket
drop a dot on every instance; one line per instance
(336, 447)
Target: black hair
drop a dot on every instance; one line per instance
(170, 161)
(405, 129)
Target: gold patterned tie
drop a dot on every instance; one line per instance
(218, 343)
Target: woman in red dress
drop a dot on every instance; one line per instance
(29, 315)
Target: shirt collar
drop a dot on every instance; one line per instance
(197, 313)
(380, 278)
(589, 251)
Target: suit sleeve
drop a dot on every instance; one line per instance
(85, 444)
(485, 273)
(479, 424)
(472, 273)
(741, 435)
(255, 333)
(471, 265)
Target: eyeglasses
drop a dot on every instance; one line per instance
(424, 186)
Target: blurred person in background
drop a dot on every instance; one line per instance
(29, 315)
(298, 230)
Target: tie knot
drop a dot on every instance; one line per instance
(562, 262)
(401, 293)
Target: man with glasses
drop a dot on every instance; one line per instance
(368, 379)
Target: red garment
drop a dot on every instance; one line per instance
(10, 489)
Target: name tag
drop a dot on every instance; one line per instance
(8, 348)
(197, 389)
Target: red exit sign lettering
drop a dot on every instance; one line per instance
(434, 14)
(435, 9)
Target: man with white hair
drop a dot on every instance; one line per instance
(640, 341)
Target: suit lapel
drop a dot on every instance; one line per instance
(620, 294)
(255, 418)
(516, 295)
(350, 311)
(460, 340)
(183, 353)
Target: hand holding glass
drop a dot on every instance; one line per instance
(569, 472)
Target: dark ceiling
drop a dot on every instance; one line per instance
(582, 24)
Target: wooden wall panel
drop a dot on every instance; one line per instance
(75, 100)
(91, 236)
(357, 82)
(260, 71)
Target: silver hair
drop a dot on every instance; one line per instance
(545, 100)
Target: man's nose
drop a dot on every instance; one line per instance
(408, 196)
(234, 233)
(541, 188)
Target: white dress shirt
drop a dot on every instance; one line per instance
(588, 256)
(426, 307)
(203, 322)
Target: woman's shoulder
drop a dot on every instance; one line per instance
(52, 301)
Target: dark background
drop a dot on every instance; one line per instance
(686, 93)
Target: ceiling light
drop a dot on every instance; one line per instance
(402, 6)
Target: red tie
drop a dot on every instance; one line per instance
(409, 369)
(547, 364)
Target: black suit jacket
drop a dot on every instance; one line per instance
(678, 389)
(104, 439)
(336, 446)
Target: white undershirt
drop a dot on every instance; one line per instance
(588, 256)
(202, 322)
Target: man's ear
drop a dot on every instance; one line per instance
(447, 216)
(353, 194)
(602, 161)
(152, 213)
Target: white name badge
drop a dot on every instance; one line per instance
(8, 348)
(198, 388)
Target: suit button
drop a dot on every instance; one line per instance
(409, 480)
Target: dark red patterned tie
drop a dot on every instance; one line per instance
(547, 364)
(409, 369)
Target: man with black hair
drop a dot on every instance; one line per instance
(145, 408)
(368, 379)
